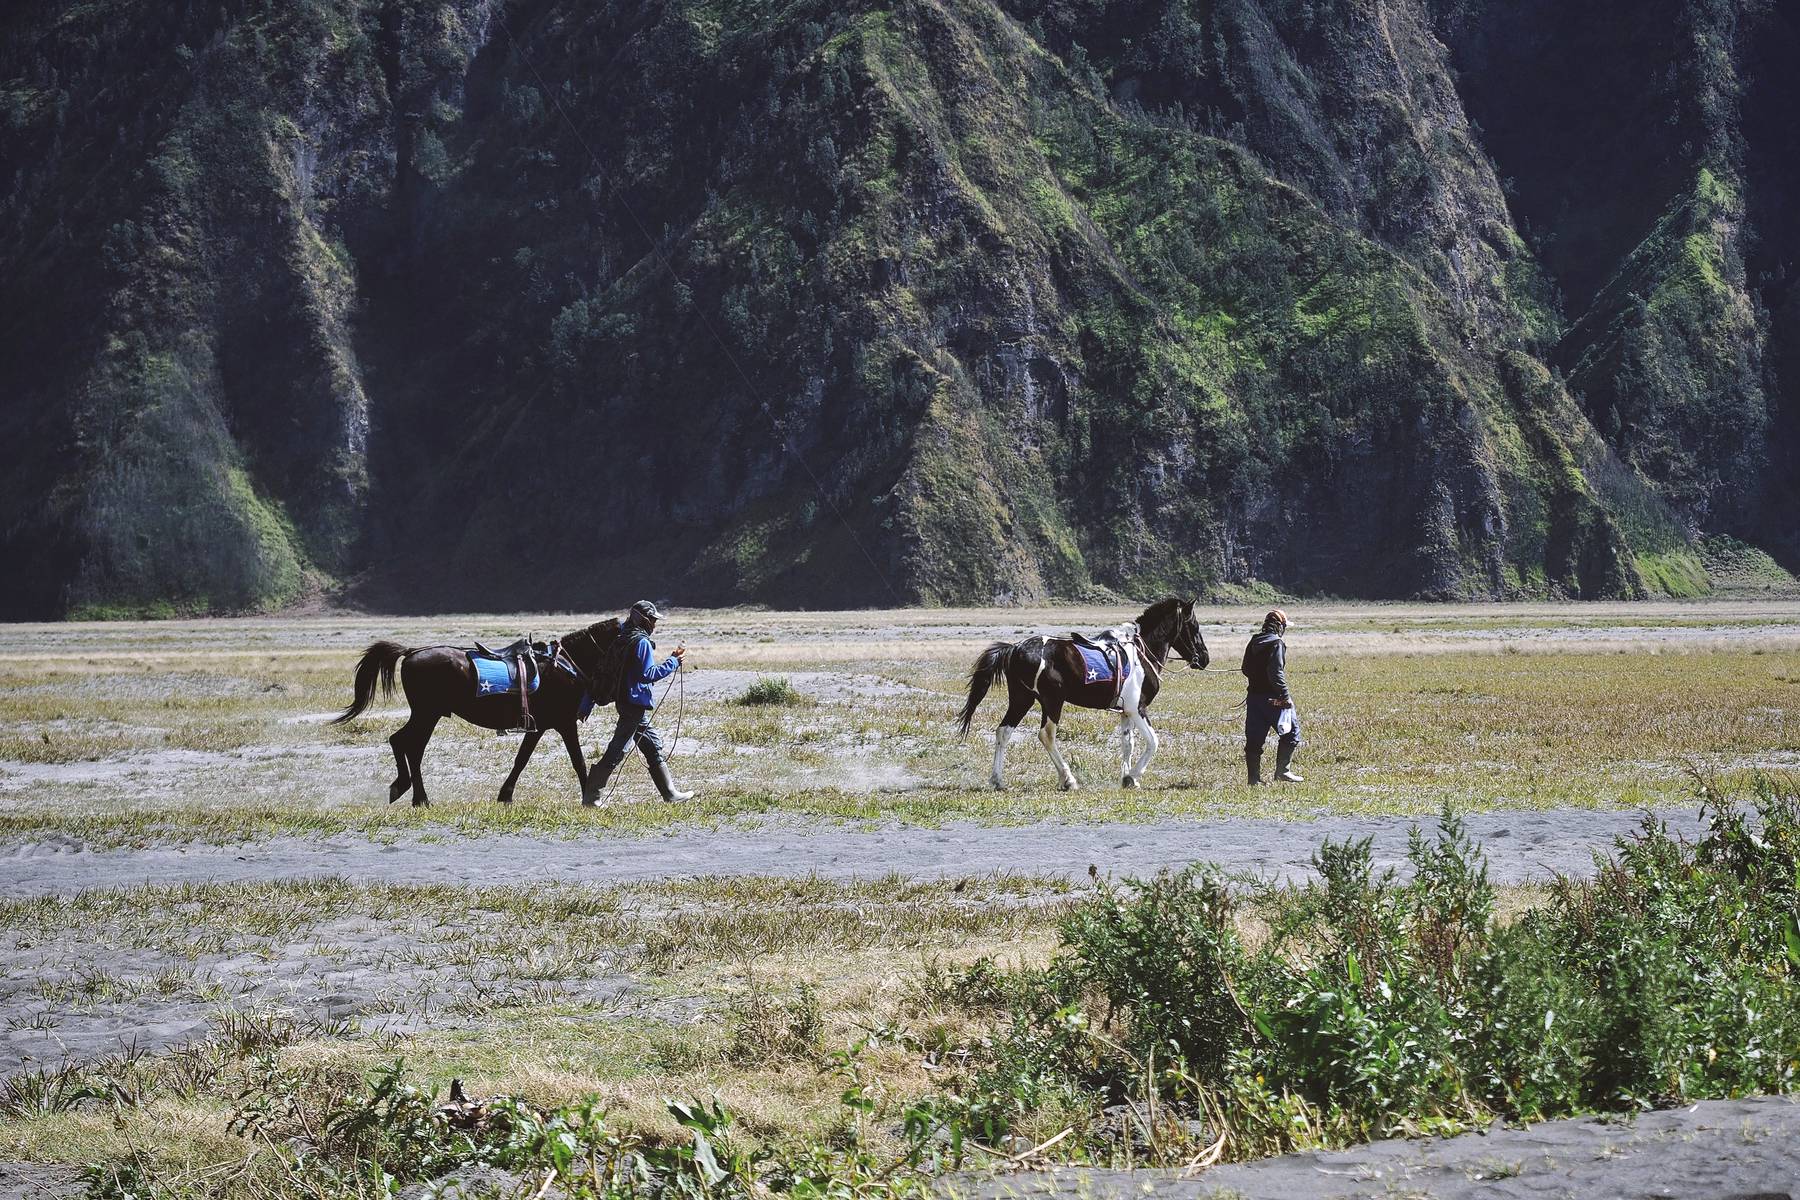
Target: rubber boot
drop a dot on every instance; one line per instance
(659, 775)
(1253, 766)
(1283, 772)
(596, 783)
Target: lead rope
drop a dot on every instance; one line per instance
(680, 705)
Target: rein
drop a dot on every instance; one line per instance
(587, 683)
(1148, 659)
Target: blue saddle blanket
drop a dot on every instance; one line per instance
(494, 678)
(1099, 670)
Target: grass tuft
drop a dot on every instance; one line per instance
(772, 689)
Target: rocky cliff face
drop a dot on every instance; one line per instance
(476, 304)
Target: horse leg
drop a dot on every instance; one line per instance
(572, 740)
(1125, 751)
(1151, 741)
(416, 751)
(524, 756)
(1047, 735)
(1016, 708)
(1131, 720)
(403, 779)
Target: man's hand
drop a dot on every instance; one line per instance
(680, 651)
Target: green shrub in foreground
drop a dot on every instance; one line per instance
(1374, 1005)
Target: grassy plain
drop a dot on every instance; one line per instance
(127, 735)
(119, 734)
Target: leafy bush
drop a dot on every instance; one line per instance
(1163, 958)
(1373, 1005)
(771, 689)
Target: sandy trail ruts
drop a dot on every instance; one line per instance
(1522, 845)
(73, 995)
(1717, 1149)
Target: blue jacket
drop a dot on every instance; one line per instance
(642, 670)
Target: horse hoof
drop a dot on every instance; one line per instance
(421, 802)
(1069, 785)
(505, 797)
(1128, 782)
(395, 791)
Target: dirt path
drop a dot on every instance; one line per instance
(1718, 1149)
(1521, 844)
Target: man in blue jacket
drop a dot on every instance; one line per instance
(638, 669)
(1268, 704)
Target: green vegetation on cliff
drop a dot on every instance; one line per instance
(802, 302)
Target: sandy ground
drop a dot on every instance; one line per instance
(1714, 1150)
(71, 997)
(743, 638)
(35, 1181)
(1522, 845)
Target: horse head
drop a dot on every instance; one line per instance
(1171, 622)
(1188, 641)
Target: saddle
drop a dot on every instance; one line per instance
(1105, 660)
(523, 661)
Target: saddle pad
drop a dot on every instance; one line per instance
(1098, 669)
(494, 678)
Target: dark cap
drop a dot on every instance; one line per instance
(645, 612)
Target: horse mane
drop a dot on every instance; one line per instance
(598, 628)
(1162, 615)
(601, 634)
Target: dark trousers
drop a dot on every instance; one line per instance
(1260, 715)
(634, 725)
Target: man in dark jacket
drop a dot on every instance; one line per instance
(1269, 706)
(637, 670)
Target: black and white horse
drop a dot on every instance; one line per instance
(1052, 672)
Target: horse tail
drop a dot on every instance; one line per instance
(993, 660)
(377, 664)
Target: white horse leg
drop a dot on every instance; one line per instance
(1125, 750)
(1150, 744)
(1003, 737)
(1129, 721)
(1047, 735)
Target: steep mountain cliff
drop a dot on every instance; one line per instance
(483, 304)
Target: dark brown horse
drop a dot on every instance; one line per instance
(440, 682)
(1051, 672)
